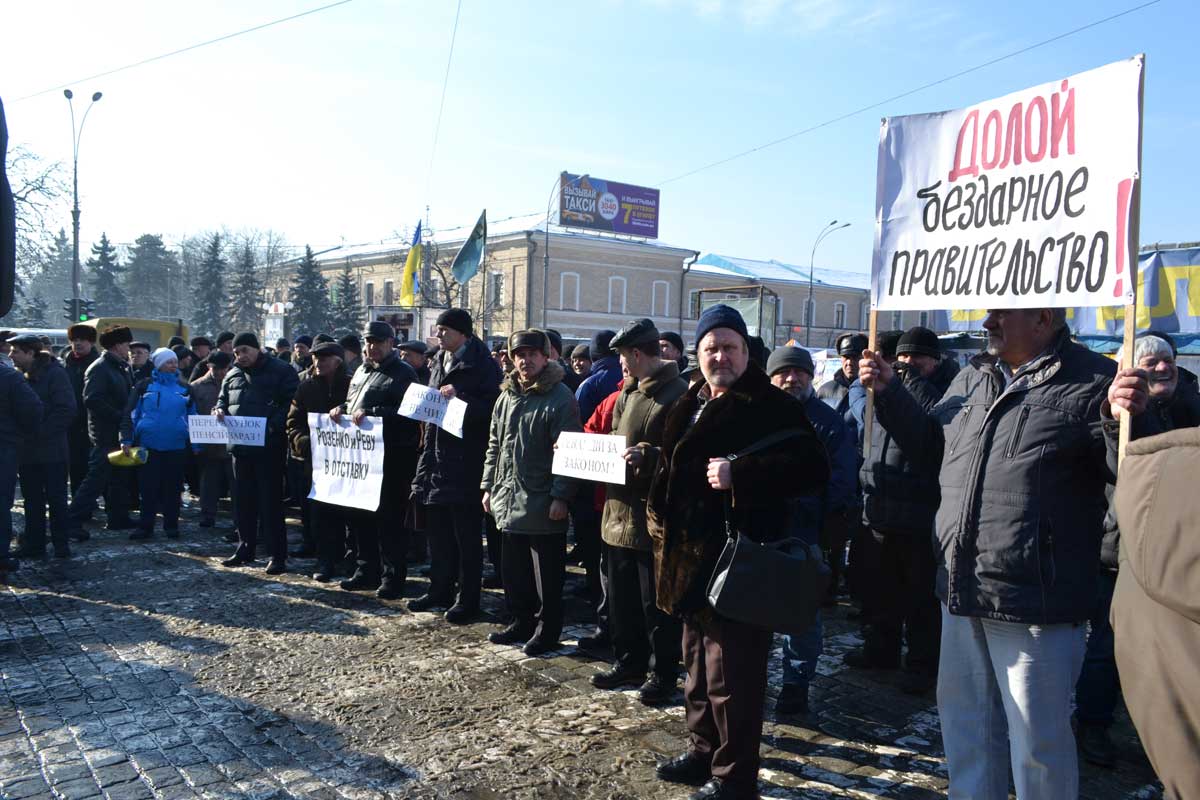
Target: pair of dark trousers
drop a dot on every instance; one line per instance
(79, 446)
(300, 482)
(1099, 685)
(161, 481)
(380, 537)
(8, 491)
(329, 523)
(898, 574)
(723, 695)
(258, 492)
(44, 485)
(103, 479)
(215, 475)
(641, 632)
(495, 542)
(534, 568)
(585, 522)
(456, 550)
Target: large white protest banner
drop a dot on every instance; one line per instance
(347, 461)
(426, 404)
(1019, 202)
(249, 431)
(591, 456)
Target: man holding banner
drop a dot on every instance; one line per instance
(450, 468)
(376, 390)
(1021, 205)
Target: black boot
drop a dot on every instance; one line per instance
(515, 633)
(360, 581)
(620, 675)
(691, 768)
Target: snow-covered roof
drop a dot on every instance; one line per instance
(777, 271)
(506, 226)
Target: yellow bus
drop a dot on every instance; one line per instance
(154, 332)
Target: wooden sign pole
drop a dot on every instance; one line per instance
(869, 414)
(1129, 332)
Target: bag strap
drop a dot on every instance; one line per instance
(769, 441)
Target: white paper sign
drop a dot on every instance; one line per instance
(591, 456)
(425, 404)
(1019, 202)
(347, 461)
(249, 431)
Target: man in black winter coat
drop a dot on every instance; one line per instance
(20, 410)
(376, 390)
(900, 499)
(76, 361)
(44, 452)
(449, 469)
(106, 387)
(258, 386)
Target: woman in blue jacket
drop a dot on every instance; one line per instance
(156, 419)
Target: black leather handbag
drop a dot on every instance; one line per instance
(777, 585)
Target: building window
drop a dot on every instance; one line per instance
(839, 315)
(924, 323)
(568, 291)
(897, 320)
(694, 304)
(388, 293)
(369, 293)
(496, 293)
(660, 299)
(616, 295)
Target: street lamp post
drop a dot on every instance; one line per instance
(558, 186)
(76, 135)
(809, 311)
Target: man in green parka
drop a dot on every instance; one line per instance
(528, 502)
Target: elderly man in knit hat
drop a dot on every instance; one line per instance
(139, 360)
(450, 469)
(792, 369)
(1172, 403)
(416, 354)
(258, 386)
(528, 502)
(76, 361)
(106, 387)
(696, 491)
(896, 563)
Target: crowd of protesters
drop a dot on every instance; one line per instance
(979, 509)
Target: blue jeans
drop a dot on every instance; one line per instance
(161, 482)
(1099, 685)
(1004, 698)
(8, 491)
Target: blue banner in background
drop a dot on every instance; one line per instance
(1168, 300)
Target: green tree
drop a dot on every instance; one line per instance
(53, 279)
(36, 312)
(309, 295)
(147, 278)
(104, 279)
(348, 311)
(209, 312)
(245, 294)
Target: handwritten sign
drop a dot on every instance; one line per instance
(591, 456)
(1024, 201)
(347, 461)
(425, 404)
(249, 431)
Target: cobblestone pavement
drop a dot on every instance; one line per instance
(145, 669)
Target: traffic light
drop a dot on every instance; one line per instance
(87, 310)
(71, 310)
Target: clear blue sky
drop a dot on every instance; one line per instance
(321, 128)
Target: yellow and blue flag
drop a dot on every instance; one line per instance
(410, 282)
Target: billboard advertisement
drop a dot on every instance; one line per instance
(600, 205)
